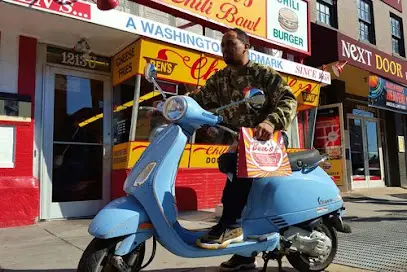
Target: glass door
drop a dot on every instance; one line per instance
(77, 144)
(366, 152)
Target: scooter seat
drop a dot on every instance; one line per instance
(301, 159)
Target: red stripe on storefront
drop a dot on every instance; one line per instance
(19, 204)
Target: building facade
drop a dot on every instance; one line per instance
(362, 44)
(72, 92)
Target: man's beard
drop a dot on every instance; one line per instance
(232, 62)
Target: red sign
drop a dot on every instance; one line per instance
(77, 9)
(168, 87)
(370, 59)
(395, 4)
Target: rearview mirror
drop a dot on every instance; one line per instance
(150, 73)
(255, 98)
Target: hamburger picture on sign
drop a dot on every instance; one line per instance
(287, 23)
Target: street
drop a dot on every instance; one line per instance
(378, 223)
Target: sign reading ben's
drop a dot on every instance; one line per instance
(163, 67)
(178, 64)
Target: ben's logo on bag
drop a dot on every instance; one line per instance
(257, 159)
(266, 155)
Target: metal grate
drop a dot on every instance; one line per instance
(375, 245)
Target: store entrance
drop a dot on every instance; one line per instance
(366, 152)
(75, 170)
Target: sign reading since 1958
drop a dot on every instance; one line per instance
(71, 58)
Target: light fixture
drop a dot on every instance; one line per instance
(338, 67)
(82, 46)
(107, 4)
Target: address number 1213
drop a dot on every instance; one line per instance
(78, 60)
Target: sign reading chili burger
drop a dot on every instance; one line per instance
(281, 22)
(370, 59)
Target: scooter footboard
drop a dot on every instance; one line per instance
(121, 217)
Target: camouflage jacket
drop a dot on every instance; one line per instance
(228, 84)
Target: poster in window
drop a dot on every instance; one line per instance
(328, 141)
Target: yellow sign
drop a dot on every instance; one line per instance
(125, 64)
(120, 156)
(206, 156)
(178, 64)
(249, 15)
(333, 167)
(137, 148)
(306, 92)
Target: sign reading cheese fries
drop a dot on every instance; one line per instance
(281, 22)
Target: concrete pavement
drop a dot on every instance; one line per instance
(58, 245)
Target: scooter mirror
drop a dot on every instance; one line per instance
(150, 73)
(255, 98)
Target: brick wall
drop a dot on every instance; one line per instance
(195, 189)
(348, 21)
(198, 189)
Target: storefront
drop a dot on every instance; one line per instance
(71, 124)
(367, 102)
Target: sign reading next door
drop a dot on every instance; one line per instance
(370, 59)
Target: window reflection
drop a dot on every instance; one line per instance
(78, 100)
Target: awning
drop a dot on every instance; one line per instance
(329, 46)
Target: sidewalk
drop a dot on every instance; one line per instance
(58, 245)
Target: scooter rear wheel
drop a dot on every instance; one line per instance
(97, 257)
(302, 262)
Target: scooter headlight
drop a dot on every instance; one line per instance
(175, 108)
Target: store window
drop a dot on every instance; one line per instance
(147, 119)
(397, 36)
(306, 125)
(123, 96)
(366, 22)
(327, 12)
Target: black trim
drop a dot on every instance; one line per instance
(15, 97)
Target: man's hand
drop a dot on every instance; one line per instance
(264, 131)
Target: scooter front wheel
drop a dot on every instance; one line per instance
(99, 257)
(304, 263)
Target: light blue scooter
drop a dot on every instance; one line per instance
(296, 216)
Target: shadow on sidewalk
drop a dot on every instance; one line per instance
(373, 219)
(377, 201)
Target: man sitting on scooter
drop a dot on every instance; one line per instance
(221, 89)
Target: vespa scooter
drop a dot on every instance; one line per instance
(296, 216)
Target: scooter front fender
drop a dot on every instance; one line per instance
(123, 216)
